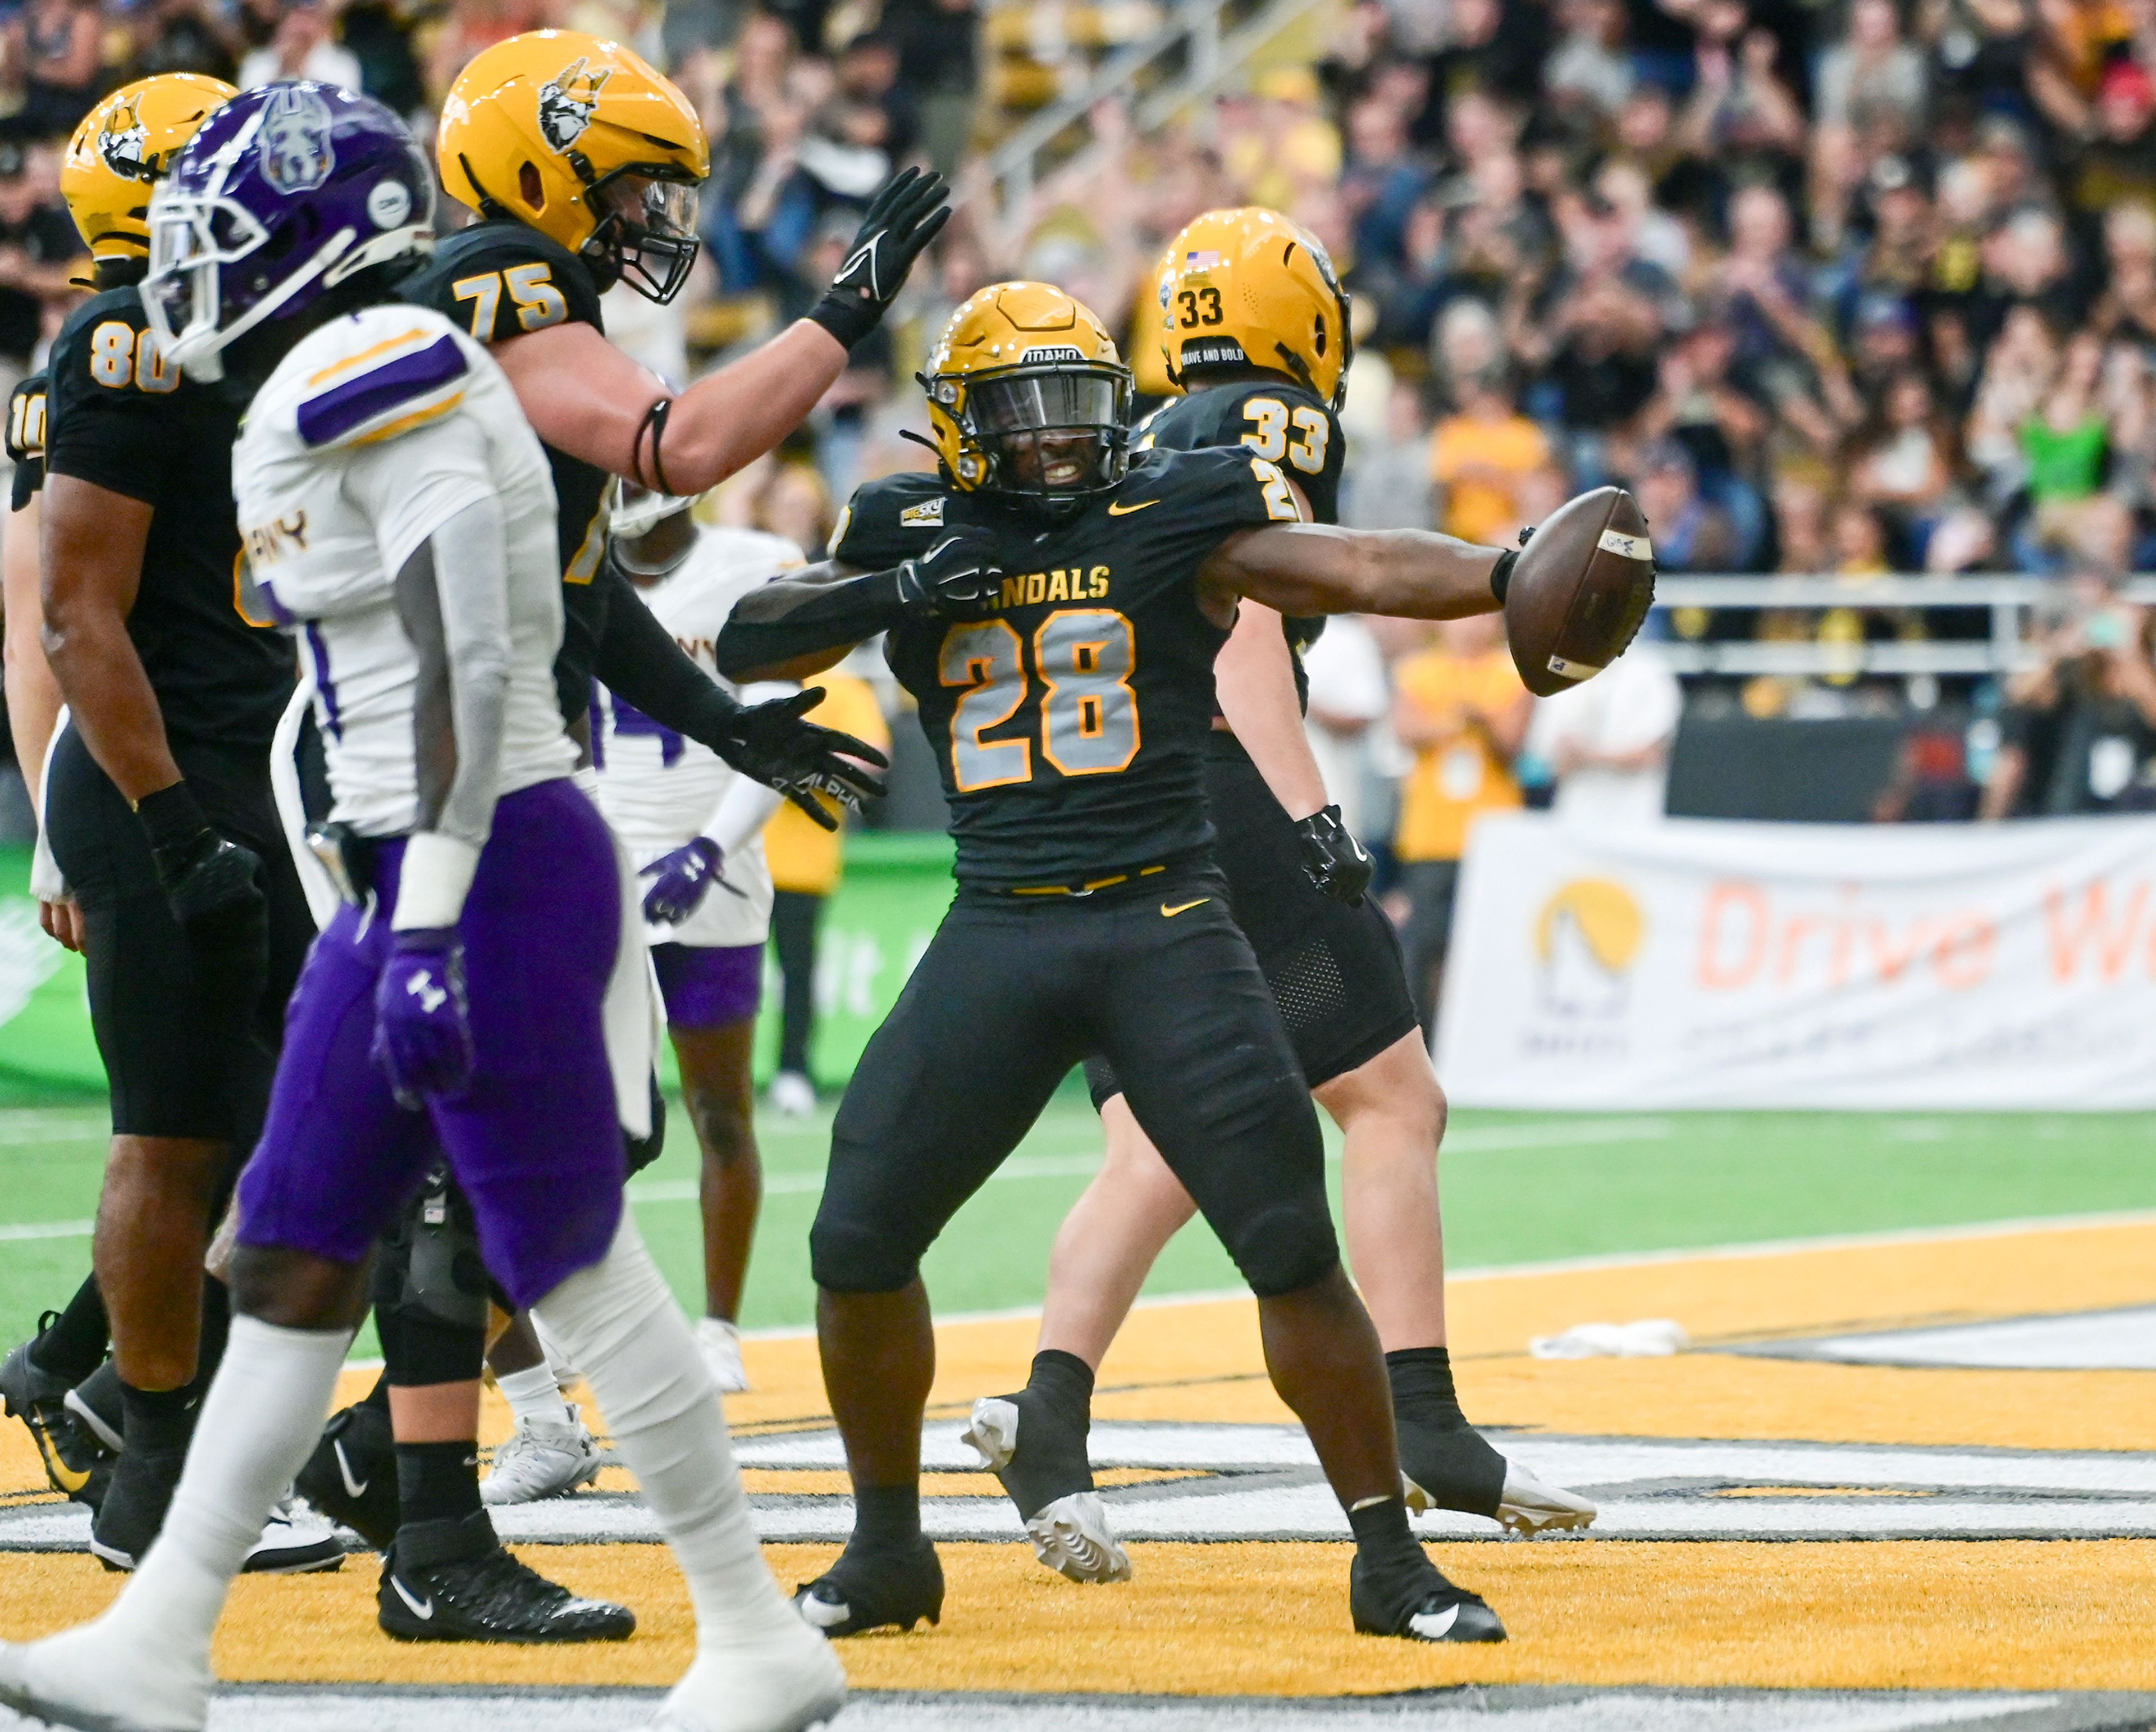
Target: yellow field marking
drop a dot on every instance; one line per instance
(1204, 1619)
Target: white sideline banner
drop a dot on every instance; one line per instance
(1702, 963)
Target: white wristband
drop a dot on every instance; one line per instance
(437, 876)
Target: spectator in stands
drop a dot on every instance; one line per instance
(2080, 727)
(1483, 452)
(1607, 742)
(305, 46)
(1460, 708)
(55, 47)
(40, 254)
(186, 36)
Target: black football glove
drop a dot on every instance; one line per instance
(905, 216)
(770, 743)
(214, 886)
(959, 572)
(1332, 860)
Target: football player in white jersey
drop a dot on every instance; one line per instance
(399, 513)
(693, 827)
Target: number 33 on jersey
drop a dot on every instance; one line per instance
(1068, 719)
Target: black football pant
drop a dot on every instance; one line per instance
(1013, 992)
(795, 915)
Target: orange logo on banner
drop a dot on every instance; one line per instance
(1745, 941)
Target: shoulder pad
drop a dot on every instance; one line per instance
(372, 377)
(890, 520)
(500, 279)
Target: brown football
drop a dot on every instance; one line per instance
(1583, 585)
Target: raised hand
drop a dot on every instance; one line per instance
(905, 216)
(770, 743)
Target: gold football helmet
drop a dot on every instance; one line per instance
(586, 142)
(1248, 288)
(121, 150)
(1027, 396)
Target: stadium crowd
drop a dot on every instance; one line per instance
(1849, 289)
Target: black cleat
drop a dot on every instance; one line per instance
(135, 1503)
(351, 1477)
(1423, 1606)
(454, 1581)
(869, 1590)
(76, 1463)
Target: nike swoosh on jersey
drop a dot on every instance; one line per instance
(1124, 510)
(354, 1488)
(1183, 908)
(420, 1608)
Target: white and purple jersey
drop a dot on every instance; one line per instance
(657, 790)
(373, 432)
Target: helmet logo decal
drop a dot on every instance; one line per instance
(567, 105)
(388, 204)
(125, 142)
(1044, 355)
(297, 156)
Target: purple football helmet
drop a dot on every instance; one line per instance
(287, 191)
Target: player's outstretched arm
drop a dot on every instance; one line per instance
(1304, 568)
(769, 743)
(585, 397)
(806, 621)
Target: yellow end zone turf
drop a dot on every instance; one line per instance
(1271, 1619)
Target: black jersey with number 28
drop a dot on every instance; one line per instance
(1069, 720)
(120, 416)
(497, 280)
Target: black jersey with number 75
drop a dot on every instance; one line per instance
(1069, 720)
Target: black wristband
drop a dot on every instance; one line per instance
(848, 313)
(172, 816)
(1501, 573)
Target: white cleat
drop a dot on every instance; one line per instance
(1073, 1537)
(294, 1541)
(720, 1343)
(792, 1095)
(87, 1678)
(543, 1461)
(1072, 1534)
(775, 1685)
(1528, 1506)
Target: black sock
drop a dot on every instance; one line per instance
(158, 1419)
(887, 1516)
(1384, 1539)
(1065, 1382)
(1422, 1388)
(377, 1398)
(73, 1343)
(437, 1481)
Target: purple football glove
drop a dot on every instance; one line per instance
(421, 1024)
(680, 879)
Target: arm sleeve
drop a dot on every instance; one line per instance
(820, 608)
(638, 660)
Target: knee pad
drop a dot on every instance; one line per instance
(848, 1257)
(431, 1270)
(1284, 1248)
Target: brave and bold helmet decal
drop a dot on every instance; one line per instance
(125, 142)
(296, 153)
(567, 102)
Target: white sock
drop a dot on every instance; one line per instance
(621, 1324)
(533, 1397)
(258, 1423)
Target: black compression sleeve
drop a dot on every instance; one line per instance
(820, 609)
(638, 660)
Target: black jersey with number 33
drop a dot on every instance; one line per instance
(498, 280)
(1069, 720)
(118, 414)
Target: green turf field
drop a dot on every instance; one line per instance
(1518, 1188)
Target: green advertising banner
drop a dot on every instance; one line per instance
(896, 886)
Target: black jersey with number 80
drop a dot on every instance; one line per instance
(1068, 719)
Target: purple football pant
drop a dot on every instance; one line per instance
(534, 1142)
(709, 985)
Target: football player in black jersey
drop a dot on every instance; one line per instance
(1055, 607)
(157, 811)
(1256, 327)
